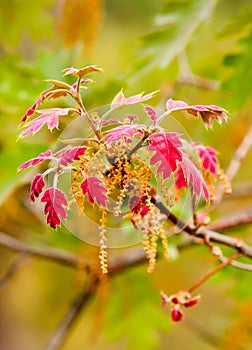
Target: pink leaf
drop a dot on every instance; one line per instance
(34, 161)
(32, 109)
(54, 208)
(49, 117)
(121, 100)
(37, 186)
(124, 132)
(82, 71)
(208, 113)
(192, 176)
(71, 154)
(151, 113)
(93, 187)
(82, 81)
(166, 146)
(208, 157)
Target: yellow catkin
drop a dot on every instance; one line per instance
(224, 180)
(164, 241)
(103, 256)
(152, 252)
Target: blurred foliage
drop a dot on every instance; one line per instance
(192, 38)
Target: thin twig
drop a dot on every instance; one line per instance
(213, 272)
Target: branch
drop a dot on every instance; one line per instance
(54, 254)
(59, 336)
(233, 221)
(205, 233)
(235, 163)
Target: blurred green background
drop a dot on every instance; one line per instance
(199, 51)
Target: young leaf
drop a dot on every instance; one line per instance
(152, 114)
(82, 71)
(37, 186)
(189, 174)
(49, 117)
(71, 154)
(124, 132)
(207, 113)
(54, 208)
(93, 187)
(167, 152)
(32, 109)
(34, 161)
(121, 100)
(208, 157)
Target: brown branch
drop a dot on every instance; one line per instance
(205, 233)
(54, 254)
(233, 221)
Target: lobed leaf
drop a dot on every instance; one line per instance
(124, 132)
(208, 113)
(189, 174)
(95, 190)
(34, 161)
(71, 154)
(49, 117)
(37, 186)
(167, 153)
(208, 157)
(82, 71)
(121, 100)
(54, 208)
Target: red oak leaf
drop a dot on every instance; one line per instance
(121, 100)
(37, 186)
(208, 157)
(151, 113)
(166, 145)
(82, 71)
(189, 174)
(32, 109)
(124, 132)
(93, 187)
(208, 113)
(54, 208)
(49, 117)
(34, 161)
(71, 154)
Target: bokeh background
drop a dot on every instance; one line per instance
(199, 51)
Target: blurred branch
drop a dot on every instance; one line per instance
(59, 336)
(187, 77)
(11, 270)
(54, 254)
(236, 161)
(233, 221)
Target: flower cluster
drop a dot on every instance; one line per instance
(177, 301)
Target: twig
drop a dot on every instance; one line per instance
(213, 272)
(235, 163)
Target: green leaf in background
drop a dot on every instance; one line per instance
(134, 311)
(175, 27)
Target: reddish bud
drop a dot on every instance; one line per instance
(177, 314)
